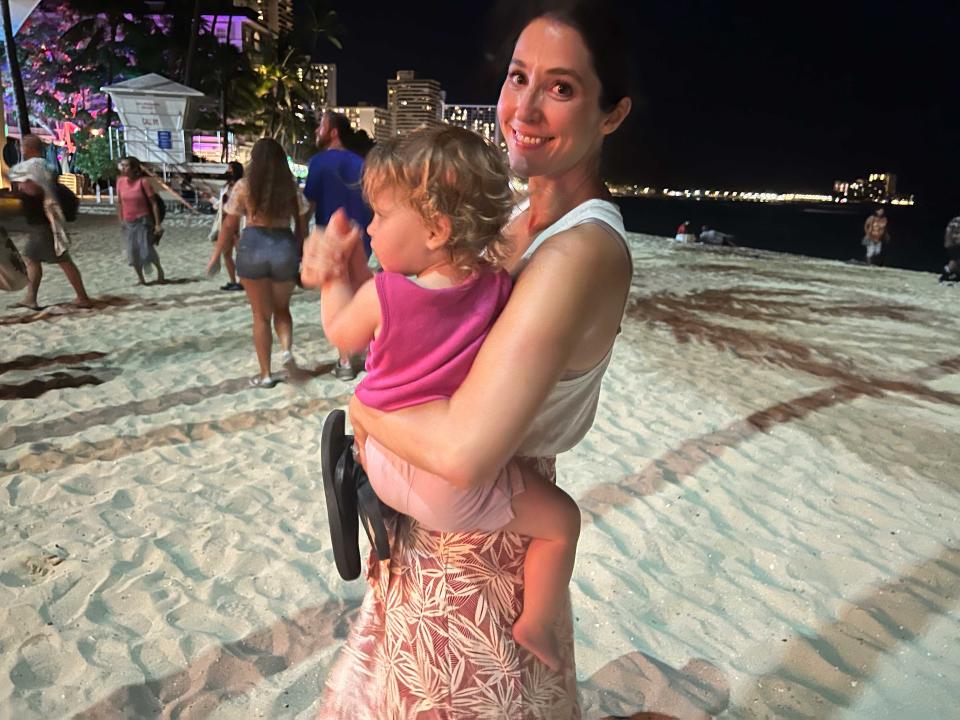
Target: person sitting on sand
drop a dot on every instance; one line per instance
(139, 213)
(441, 198)
(708, 236)
(268, 252)
(48, 239)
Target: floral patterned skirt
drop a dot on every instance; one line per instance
(433, 641)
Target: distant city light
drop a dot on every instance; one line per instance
(879, 188)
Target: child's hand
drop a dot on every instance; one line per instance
(326, 252)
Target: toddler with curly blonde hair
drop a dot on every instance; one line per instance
(441, 198)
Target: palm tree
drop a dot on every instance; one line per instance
(23, 119)
(192, 48)
(319, 20)
(112, 38)
(286, 99)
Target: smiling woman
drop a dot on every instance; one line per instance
(434, 637)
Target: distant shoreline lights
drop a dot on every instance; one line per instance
(620, 190)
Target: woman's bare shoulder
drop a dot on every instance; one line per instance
(587, 248)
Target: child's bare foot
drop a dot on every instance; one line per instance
(540, 640)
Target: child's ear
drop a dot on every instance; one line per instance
(439, 233)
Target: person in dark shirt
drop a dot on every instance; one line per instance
(334, 178)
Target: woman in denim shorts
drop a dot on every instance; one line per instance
(268, 252)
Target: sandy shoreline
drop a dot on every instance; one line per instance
(770, 497)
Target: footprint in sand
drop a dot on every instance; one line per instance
(637, 686)
(43, 565)
(38, 663)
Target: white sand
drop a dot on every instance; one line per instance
(770, 497)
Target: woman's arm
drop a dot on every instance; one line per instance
(119, 203)
(300, 223)
(229, 227)
(569, 287)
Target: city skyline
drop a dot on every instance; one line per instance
(781, 99)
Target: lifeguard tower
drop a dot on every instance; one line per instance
(157, 115)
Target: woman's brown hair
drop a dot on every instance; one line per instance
(272, 189)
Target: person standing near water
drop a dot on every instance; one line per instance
(951, 243)
(874, 236)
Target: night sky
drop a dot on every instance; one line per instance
(735, 95)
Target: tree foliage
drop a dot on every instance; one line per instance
(93, 156)
(72, 48)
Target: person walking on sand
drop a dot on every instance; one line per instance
(268, 252)
(333, 181)
(441, 198)
(443, 606)
(233, 175)
(47, 237)
(874, 236)
(138, 208)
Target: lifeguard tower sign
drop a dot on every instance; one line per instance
(155, 112)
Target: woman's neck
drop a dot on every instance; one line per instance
(553, 197)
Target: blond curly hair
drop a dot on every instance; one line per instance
(449, 172)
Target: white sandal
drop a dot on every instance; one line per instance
(259, 381)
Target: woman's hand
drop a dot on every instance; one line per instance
(356, 411)
(326, 252)
(213, 267)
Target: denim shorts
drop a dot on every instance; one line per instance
(268, 254)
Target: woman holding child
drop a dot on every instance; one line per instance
(436, 635)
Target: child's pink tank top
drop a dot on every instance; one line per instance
(428, 338)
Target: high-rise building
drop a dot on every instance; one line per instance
(320, 79)
(877, 187)
(361, 117)
(413, 102)
(882, 184)
(238, 27)
(276, 15)
(381, 125)
(482, 119)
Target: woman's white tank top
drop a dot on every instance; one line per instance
(568, 411)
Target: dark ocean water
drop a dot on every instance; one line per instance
(916, 232)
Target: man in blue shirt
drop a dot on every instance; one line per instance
(334, 178)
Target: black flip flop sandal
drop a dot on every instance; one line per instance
(371, 516)
(339, 484)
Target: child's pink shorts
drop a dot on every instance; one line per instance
(435, 503)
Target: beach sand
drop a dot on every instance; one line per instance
(771, 496)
